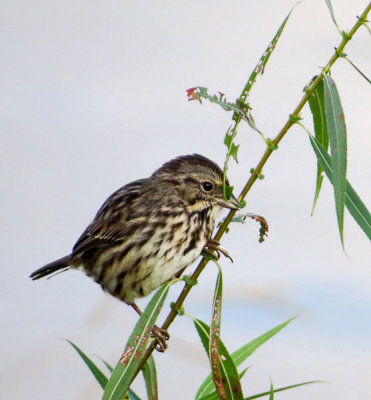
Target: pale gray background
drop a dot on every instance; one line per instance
(93, 96)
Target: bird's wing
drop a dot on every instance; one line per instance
(111, 224)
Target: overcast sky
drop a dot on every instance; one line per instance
(93, 97)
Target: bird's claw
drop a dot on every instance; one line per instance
(162, 336)
(214, 249)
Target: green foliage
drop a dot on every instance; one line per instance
(237, 357)
(329, 5)
(98, 374)
(225, 375)
(257, 396)
(129, 362)
(316, 102)
(224, 381)
(242, 218)
(232, 148)
(336, 130)
(356, 68)
(199, 93)
(353, 202)
(259, 68)
(271, 392)
(150, 378)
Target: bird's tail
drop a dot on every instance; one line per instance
(62, 263)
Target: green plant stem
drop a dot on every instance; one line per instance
(254, 176)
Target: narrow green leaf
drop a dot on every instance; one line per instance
(210, 396)
(271, 392)
(150, 378)
(215, 338)
(226, 361)
(329, 5)
(365, 24)
(127, 366)
(242, 373)
(240, 355)
(259, 68)
(358, 70)
(256, 396)
(317, 107)
(133, 395)
(215, 396)
(98, 374)
(225, 373)
(355, 206)
(203, 331)
(109, 367)
(338, 143)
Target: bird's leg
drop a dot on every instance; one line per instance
(213, 245)
(160, 334)
(178, 274)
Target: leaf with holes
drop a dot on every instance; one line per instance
(127, 367)
(225, 374)
(239, 356)
(225, 358)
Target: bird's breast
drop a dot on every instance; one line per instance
(136, 267)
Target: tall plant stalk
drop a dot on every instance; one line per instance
(293, 118)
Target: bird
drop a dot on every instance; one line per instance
(148, 231)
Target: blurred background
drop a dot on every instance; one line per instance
(92, 97)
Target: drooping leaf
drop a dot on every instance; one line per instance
(227, 364)
(98, 374)
(242, 218)
(353, 202)
(329, 5)
(317, 107)
(150, 379)
(338, 144)
(127, 366)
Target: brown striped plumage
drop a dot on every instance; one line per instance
(149, 230)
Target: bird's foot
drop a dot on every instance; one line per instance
(214, 249)
(162, 336)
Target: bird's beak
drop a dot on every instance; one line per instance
(232, 203)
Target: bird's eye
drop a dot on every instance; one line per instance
(207, 186)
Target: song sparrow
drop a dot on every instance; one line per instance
(150, 230)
